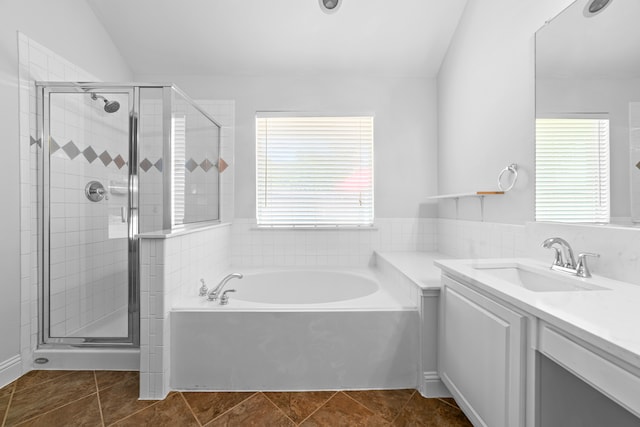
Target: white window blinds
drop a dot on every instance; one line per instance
(572, 170)
(314, 171)
(179, 146)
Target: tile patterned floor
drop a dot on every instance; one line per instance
(103, 398)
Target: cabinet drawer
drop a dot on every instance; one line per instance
(612, 380)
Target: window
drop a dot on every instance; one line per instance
(314, 171)
(572, 169)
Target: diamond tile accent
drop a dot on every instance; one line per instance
(158, 165)
(89, 154)
(106, 158)
(206, 165)
(145, 165)
(119, 161)
(191, 165)
(53, 145)
(32, 141)
(638, 165)
(71, 150)
(222, 165)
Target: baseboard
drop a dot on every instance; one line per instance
(432, 386)
(10, 370)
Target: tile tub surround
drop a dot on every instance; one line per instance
(264, 247)
(104, 398)
(171, 265)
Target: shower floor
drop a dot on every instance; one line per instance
(114, 325)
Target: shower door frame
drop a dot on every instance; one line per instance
(43, 90)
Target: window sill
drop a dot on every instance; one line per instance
(312, 228)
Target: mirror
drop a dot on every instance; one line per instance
(590, 66)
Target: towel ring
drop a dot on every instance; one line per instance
(513, 169)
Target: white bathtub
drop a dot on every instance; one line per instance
(297, 330)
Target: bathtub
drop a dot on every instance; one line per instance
(297, 329)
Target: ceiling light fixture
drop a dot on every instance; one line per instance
(594, 7)
(330, 6)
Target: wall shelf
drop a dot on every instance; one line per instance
(480, 194)
(474, 194)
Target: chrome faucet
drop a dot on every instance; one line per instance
(564, 260)
(213, 294)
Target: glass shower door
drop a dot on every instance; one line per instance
(89, 221)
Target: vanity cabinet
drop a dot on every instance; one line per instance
(482, 355)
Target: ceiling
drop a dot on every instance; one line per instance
(603, 46)
(401, 38)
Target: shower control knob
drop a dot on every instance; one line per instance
(95, 191)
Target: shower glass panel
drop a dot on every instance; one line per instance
(151, 172)
(86, 180)
(195, 155)
(116, 160)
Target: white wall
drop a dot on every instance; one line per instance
(405, 143)
(486, 106)
(71, 29)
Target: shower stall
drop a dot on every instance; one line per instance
(117, 160)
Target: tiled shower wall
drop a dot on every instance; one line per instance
(88, 240)
(35, 63)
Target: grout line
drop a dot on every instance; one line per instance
(359, 403)
(404, 406)
(40, 414)
(278, 408)
(319, 407)
(190, 409)
(95, 377)
(136, 412)
(233, 407)
(45, 381)
(6, 412)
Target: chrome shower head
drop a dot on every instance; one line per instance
(109, 106)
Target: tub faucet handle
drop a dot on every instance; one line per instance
(224, 299)
(203, 288)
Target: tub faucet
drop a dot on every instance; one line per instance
(203, 289)
(213, 294)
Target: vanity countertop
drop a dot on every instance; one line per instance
(608, 319)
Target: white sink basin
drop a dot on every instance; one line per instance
(538, 279)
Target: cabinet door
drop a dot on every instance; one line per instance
(481, 358)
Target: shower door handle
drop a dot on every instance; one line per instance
(123, 213)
